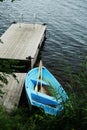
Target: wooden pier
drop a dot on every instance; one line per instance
(21, 42)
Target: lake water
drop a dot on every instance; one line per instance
(66, 35)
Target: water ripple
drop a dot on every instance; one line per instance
(66, 28)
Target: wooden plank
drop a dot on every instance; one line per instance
(21, 42)
(12, 92)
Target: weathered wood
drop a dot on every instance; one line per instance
(21, 42)
(13, 92)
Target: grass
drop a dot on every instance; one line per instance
(74, 116)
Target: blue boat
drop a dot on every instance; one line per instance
(44, 91)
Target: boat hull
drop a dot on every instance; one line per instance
(50, 103)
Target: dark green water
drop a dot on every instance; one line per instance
(66, 29)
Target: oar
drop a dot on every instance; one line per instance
(41, 75)
(41, 72)
(36, 87)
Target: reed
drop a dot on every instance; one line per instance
(74, 116)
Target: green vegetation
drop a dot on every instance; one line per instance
(5, 71)
(74, 116)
